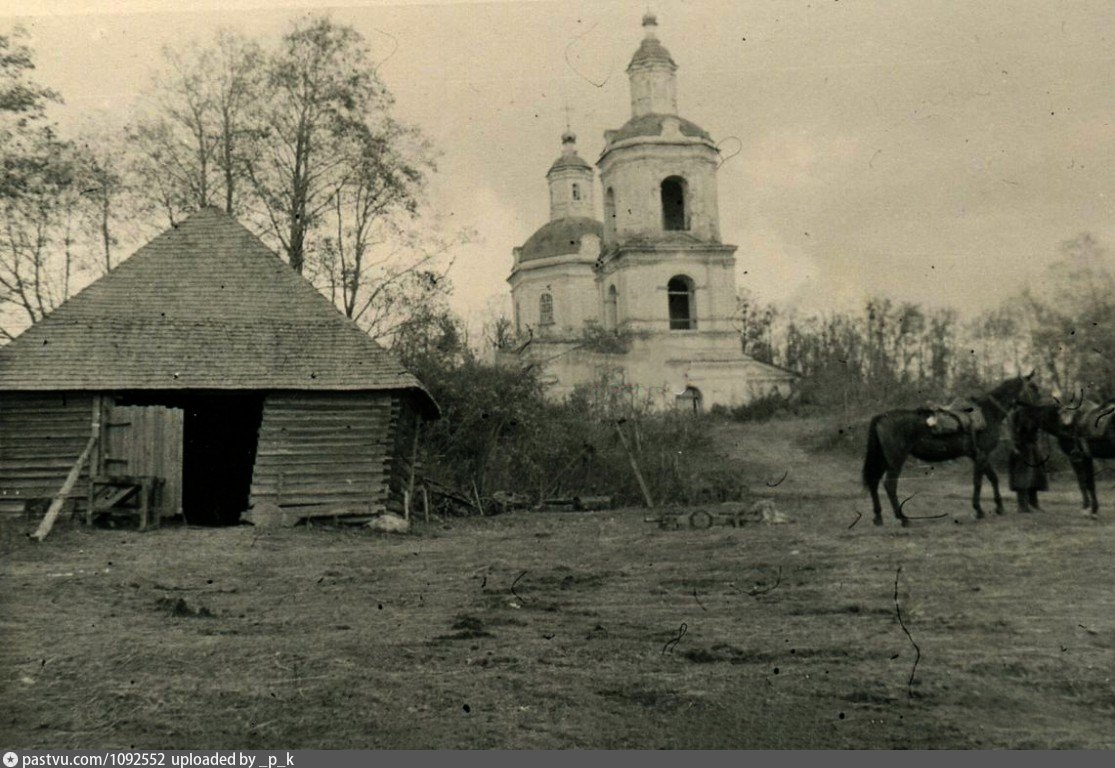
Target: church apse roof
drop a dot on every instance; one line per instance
(560, 237)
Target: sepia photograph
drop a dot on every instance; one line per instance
(555, 375)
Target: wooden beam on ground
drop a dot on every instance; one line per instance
(60, 497)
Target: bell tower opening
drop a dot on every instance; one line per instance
(675, 216)
(609, 213)
(683, 308)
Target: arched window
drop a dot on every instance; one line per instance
(683, 307)
(576, 191)
(545, 309)
(611, 309)
(675, 216)
(610, 210)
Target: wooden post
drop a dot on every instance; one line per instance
(144, 502)
(635, 467)
(60, 497)
(406, 505)
(413, 459)
(95, 456)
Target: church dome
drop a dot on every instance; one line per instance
(569, 157)
(570, 161)
(560, 237)
(651, 125)
(651, 51)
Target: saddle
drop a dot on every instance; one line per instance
(959, 416)
(1089, 420)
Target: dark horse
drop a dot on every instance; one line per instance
(895, 435)
(1081, 449)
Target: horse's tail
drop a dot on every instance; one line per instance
(875, 462)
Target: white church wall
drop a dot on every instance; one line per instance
(652, 373)
(636, 173)
(642, 277)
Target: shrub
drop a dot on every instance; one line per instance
(500, 433)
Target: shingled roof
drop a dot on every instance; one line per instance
(205, 305)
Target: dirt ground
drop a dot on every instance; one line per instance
(559, 630)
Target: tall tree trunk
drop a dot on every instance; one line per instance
(230, 178)
(106, 235)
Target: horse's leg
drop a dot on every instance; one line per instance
(891, 484)
(977, 485)
(877, 505)
(1079, 468)
(993, 476)
(1090, 476)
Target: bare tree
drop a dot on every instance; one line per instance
(323, 98)
(201, 122)
(36, 194)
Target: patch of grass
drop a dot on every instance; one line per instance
(337, 639)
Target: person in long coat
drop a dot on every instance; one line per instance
(1027, 465)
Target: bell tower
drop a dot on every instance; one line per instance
(662, 253)
(658, 171)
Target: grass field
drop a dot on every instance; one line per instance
(546, 630)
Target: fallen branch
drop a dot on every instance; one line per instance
(917, 650)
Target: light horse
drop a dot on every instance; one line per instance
(894, 436)
(1082, 449)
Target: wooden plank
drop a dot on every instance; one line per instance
(323, 448)
(311, 499)
(289, 459)
(60, 498)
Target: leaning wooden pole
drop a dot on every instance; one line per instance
(635, 467)
(60, 497)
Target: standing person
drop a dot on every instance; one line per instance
(1027, 465)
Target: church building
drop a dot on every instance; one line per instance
(645, 299)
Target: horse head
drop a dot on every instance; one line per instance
(1029, 394)
(1018, 390)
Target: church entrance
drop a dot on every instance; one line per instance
(689, 400)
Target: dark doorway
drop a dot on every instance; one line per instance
(220, 435)
(220, 439)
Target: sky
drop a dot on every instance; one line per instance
(936, 151)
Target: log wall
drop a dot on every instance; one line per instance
(41, 436)
(329, 449)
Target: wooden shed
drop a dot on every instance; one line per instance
(206, 369)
